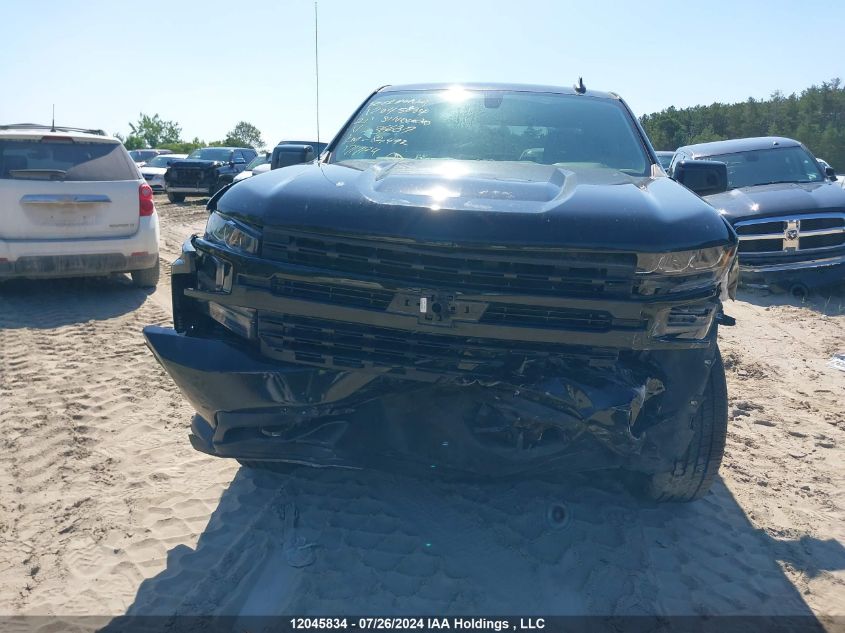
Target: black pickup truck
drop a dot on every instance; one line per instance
(788, 211)
(205, 171)
(496, 279)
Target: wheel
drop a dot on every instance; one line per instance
(275, 467)
(146, 278)
(176, 197)
(696, 470)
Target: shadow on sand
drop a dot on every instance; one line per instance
(828, 300)
(50, 303)
(326, 542)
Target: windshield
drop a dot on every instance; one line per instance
(140, 155)
(568, 130)
(63, 160)
(211, 153)
(163, 161)
(258, 160)
(768, 166)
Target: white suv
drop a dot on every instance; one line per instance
(73, 204)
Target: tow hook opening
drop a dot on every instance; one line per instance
(558, 516)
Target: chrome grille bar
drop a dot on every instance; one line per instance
(792, 230)
(773, 236)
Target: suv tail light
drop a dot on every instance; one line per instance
(146, 206)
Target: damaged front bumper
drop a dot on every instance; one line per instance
(631, 415)
(279, 376)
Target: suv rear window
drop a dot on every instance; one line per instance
(65, 160)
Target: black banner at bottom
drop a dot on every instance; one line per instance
(524, 624)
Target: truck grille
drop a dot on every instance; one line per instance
(490, 312)
(332, 294)
(501, 269)
(538, 316)
(791, 235)
(344, 345)
(188, 177)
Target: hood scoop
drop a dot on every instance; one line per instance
(473, 185)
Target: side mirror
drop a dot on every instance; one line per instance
(830, 173)
(704, 177)
(291, 154)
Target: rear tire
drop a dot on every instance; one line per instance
(147, 278)
(282, 468)
(696, 470)
(176, 197)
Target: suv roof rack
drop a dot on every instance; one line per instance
(52, 128)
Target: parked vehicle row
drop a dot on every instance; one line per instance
(74, 204)
(153, 171)
(257, 165)
(205, 171)
(142, 156)
(286, 153)
(785, 205)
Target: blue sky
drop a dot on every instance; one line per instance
(208, 64)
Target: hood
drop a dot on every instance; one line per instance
(779, 199)
(481, 202)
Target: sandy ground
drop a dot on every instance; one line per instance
(105, 508)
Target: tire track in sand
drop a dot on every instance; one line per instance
(94, 433)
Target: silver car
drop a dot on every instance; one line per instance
(141, 156)
(257, 165)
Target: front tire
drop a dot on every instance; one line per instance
(695, 471)
(146, 278)
(176, 197)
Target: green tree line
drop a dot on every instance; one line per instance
(816, 117)
(153, 131)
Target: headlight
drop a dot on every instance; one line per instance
(235, 235)
(683, 271)
(684, 262)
